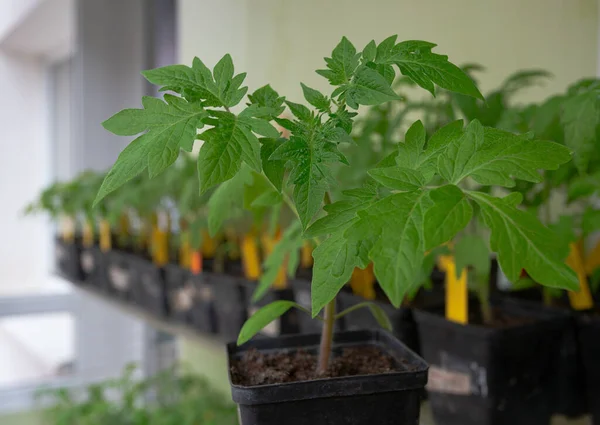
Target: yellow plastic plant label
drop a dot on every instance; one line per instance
(124, 225)
(362, 282)
(592, 261)
(268, 244)
(88, 235)
(68, 229)
(250, 257)
(457, 296)
(160, 248)
(105, 236)
(184, 252)
(581, 300)
(306, 259)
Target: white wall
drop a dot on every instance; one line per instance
(284, 41)
(24, 171)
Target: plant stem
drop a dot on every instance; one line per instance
(546, 206)
(326, 338)
(328, 325)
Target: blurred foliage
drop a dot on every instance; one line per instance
(169, 398)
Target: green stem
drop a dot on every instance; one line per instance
(546, 206)
(326, 338)
(351, 309)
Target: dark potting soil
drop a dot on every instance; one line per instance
(502, 319)
(256, 368)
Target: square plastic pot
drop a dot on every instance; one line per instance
(179, 295)
(492, 376)
(67, 259)
(148, 289)
(93, 265)
(382, 399)
(589, 346)
(230, 304)
(120, 274)
(284, 325)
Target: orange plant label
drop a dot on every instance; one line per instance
(196, 262)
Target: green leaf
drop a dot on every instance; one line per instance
(226, 200)
(436, 145)
(380, 315)
(410, 151)
(590, 221)
(269, 100)
(581, 117)
(368, 87)
(300, 111)
(335, 260)
(267, 199)
(417, 155)
(472, 250)
(131, 162)
(448, 215)
(396, 224)
(399, 178)
(171, 125)
(255, 188)
(564, 229)
(273, 169)
(227, 145)
(262, 318)
(370, 51)
(339, 215)
(219, 88)
(376, 310)
(495, 157)
(416, 60)
(309, 153)
(522, 242)
(290, 241)
(316, 98)
(342, 63)
(583, 186)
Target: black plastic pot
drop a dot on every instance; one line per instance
(284, 325)
(203, 313)
(589, 346)
(67, 259)
(148, 290)
(492, 376)
(93, 266)
(230, 304)
(384, 399)
(179, 295)
(306, 324)
(119, 271)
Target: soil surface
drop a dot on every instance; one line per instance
(502, 319)
(255, 368)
